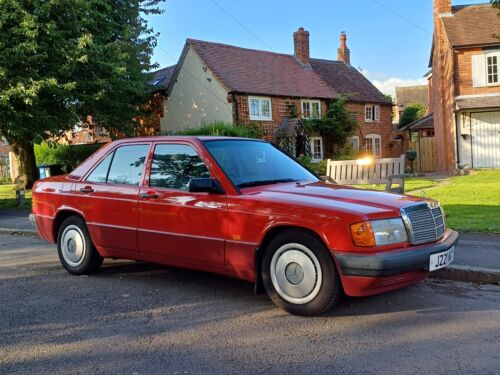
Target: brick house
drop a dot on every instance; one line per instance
(218, 82)
(465, 86)
(408, 95)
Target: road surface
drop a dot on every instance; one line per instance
(134, 318)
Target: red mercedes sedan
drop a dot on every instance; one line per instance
(242, 208)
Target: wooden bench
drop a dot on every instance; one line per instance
(379, 171)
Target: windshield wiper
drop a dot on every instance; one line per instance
(264, 182)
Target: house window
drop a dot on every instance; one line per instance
(372, 144)
(260, 108)
(354, 116)
(372, 113)
(492, 69)
(316, 148)
(311, 109)
(354, 141)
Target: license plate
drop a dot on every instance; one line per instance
(440, 260)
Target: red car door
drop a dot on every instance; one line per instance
(108, 198)
(173, 222)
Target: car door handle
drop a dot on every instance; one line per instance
(149, 195)
(86, 189)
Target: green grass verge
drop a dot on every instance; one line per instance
(411, 184)
(471, 203)
(8, 198)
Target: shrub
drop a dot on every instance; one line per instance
(336, 127)
(411, 113)
(219, 128)
(68, 156)
(319, 168)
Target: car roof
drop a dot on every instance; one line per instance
(181, 138)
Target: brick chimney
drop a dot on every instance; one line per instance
(301, 45)
(442, 8)
(343, 53)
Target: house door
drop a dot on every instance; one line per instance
(485, 128)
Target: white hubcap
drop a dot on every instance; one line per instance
(73, 246)
(296, 273)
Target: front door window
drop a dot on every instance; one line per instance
(175, 165)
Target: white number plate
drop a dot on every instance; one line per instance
(440, 260)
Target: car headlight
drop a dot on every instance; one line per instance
(379, 232)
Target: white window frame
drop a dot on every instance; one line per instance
(486, 56)
(310, 103)
(373, 149)
(259, 116)
(355, 137)
(311, 140)
(372, 113)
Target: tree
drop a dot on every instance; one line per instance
(411, 113)
(69, 61)
(336, 127)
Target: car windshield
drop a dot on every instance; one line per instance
(252, 163)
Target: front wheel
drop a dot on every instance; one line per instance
(75, 248)
(299, 274)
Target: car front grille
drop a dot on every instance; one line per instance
(424, 221)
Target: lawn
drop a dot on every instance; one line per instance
(471, 203)
(411, 184)
(8, 197)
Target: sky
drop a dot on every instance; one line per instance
(390, 40)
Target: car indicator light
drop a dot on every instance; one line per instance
(362, 234)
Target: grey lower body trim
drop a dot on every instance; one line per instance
(396, 261)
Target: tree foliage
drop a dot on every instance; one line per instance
(68, 61)
(336, 127)
(411, 113)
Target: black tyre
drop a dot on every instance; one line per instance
(76, 251)
(299, 274)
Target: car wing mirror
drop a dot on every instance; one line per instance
(205, 185)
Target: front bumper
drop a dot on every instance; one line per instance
(415, 258)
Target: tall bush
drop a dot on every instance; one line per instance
(68, 156)
(336, 127)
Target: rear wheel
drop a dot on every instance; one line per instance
(299, 274)
(75, 248)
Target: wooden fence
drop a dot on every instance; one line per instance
(426, 154)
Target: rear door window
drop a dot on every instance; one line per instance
(127, 166)
(175, 165)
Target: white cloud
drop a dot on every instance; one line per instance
(387, 84)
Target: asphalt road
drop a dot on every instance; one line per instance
(134, 318)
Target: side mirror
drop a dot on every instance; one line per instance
(205, 185)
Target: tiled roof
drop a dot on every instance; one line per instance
(161, 78)
(260, 72)
(426, 122)
(472, 25)
(484, 101)
(411, 95)
(348, 81)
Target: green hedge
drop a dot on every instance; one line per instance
(68, 156)
(219, 128)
